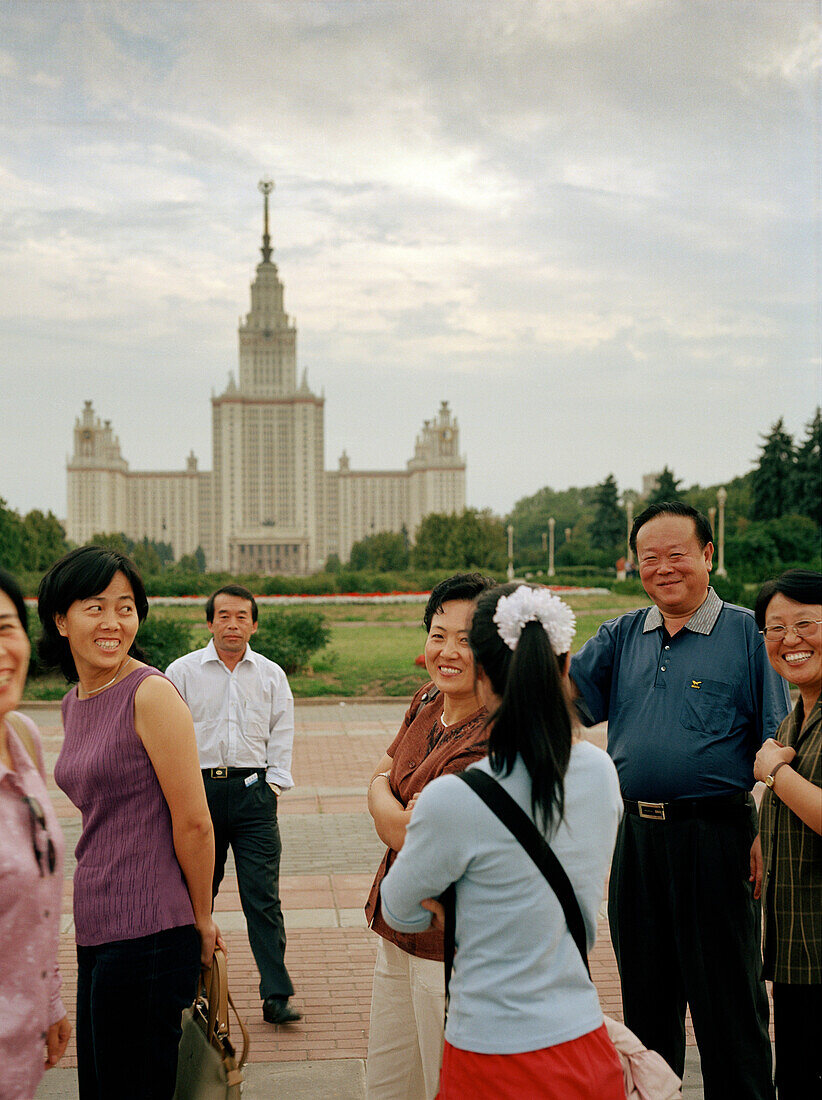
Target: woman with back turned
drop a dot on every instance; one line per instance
(524, 1017)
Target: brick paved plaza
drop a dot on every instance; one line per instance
(330, 853)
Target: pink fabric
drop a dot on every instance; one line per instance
(128, 882)
(29, 922)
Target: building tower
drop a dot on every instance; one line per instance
(268, 480)
(97, 479)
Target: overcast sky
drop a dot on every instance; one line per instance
(589, 225)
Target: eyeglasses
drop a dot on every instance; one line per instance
(38, 822)
(803, 629)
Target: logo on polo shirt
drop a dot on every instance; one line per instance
(696, 684)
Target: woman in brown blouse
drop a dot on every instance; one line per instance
(443, 731)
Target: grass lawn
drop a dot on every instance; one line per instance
(372, 648)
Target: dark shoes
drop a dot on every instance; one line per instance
(277, 1010)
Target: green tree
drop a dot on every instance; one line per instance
(43, 541)
(291, 638)
(163, 640)
(530, 516)
(385, 552)
(773, 478)
(607, 528)
(808, 472)
(199, 554)
(112, 540)
(668, 488)
(11, 537)
(145, 557)
(469, 540)
(430, 546)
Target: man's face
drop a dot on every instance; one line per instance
(673, 567)
(232, 625)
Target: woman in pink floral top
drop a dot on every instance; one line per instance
(34, 1028)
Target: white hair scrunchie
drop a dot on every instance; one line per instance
(527, 605)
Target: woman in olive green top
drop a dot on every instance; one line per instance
(789, 614)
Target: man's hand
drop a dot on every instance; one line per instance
(756, 867)
(57, 1039)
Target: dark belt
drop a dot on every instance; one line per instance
(230, 773)
(684, 808)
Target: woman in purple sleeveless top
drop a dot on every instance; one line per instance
(145, 858)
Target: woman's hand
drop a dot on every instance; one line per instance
(770, 754)
(438, 913)
(57, 1038)
(210, 938)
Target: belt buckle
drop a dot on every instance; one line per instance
(652, 811)
(219, 773)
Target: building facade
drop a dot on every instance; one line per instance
(268, 505)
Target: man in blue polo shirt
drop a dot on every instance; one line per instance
(689, 696)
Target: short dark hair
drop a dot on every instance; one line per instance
(462, 586)
(702, 524)
(800, 585)
(81, 573)
(12, 589)
(231, 590)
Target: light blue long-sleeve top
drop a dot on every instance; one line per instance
(519, 982)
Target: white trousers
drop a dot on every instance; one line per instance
(405, 1037)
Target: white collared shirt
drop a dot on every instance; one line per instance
(242, 719)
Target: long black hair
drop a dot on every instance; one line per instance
(84, 572)
(533, 720)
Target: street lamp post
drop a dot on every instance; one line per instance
(551, 525)
(510, 551)
(721, 496)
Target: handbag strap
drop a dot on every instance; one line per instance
(514, 818)
(215, 982)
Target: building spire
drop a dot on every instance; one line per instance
(266, 186)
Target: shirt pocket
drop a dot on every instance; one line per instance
(707, 707)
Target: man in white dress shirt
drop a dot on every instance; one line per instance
(243, 714)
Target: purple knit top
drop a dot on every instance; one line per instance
(128, 882)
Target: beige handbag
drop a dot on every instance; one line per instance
(207, 1066)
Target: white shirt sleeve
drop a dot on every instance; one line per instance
(281, 735)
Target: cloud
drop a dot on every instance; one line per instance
(565, 204)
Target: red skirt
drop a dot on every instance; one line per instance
(586, 1068)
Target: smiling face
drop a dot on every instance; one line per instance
(448, 656)
(673, 567)
(101, 629)
(796, 659)
(232, 626)
(14, 656)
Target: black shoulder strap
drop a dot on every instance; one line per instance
(497, 799)
(427, 697)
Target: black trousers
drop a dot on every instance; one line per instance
(245, 817)
(797, 1019)
(686, 930)
(130, 999)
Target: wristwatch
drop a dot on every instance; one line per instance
(770, 778)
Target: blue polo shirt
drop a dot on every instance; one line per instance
(686, 714)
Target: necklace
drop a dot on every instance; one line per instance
(94, 691)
